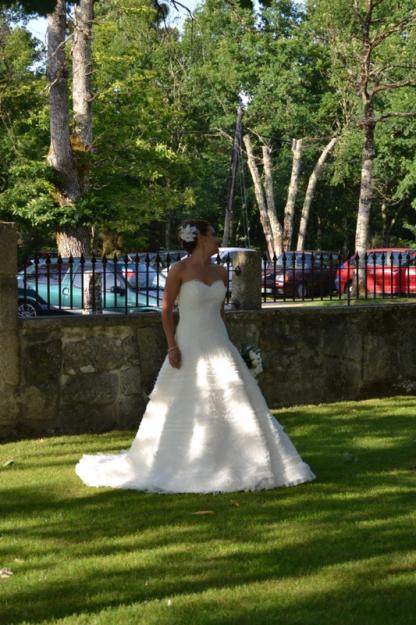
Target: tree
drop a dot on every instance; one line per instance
(70, 239)
(135, 173)
(24, 134)
(372, 55)
(310, 191)
(264, 211)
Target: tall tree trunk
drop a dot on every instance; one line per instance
(81, 75)
(258, 190)
(60, 155)
(277, 230)
(364, 204)
(297, 147)
(310, 192)
(229, 212)
(74, 240)
(70, 239)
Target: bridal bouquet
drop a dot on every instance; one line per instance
(252, 357)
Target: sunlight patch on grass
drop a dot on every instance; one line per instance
(337, 550)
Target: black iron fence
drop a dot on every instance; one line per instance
(135, 282)
(300, 276)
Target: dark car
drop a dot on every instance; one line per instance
(301, 274)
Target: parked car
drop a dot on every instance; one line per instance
(301, 274)
(143, 276)
(41, 258)
(30, 304)
(158, 261)
(61, 284)
(388, 270)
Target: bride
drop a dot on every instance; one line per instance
(206, 428)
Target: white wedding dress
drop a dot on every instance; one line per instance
(206, 428)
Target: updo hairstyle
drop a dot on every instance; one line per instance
(188, 233)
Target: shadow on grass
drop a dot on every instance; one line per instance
(102, 548)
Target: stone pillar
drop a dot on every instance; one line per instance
(93, 303)
(246, 281)
(9, 350)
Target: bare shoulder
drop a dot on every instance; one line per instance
(173, 284)
(177, 270)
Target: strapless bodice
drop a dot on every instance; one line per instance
(200, 307)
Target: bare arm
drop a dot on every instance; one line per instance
(222, 312)
(172, 286)
(224, 278)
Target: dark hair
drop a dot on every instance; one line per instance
(202, 226)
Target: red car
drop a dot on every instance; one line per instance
(391, 271)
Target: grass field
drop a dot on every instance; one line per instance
(340, 550)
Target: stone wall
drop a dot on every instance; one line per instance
(78, 374)
(93, 374)
(9, 365)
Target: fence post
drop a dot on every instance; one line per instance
(9, 348)
(93, 303)
(246, 280)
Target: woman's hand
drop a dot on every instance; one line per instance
(175, 356)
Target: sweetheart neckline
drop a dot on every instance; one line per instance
(202, 282)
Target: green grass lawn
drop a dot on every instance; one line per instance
(340, 550)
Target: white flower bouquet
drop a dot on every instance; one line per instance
(252, 357)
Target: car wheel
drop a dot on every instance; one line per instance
(302, 290)
(26, 310)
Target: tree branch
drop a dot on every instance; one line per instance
(384, 116)
(177, 4)
(394, 85)
(380, 70)
(393, 29)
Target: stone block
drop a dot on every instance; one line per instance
(103, 352)
(152, 350)
(130, 411)
(406, 350)
(78, 418)
(41, 360)
(130, 381)
(8, 304)
(9, 361)
(8, 249)
(377, 359)
(90, 389)
(130, 347)
(39, 405)
(9, 411)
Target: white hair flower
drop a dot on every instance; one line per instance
(188, 233)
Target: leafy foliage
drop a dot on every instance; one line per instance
(164, 107)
